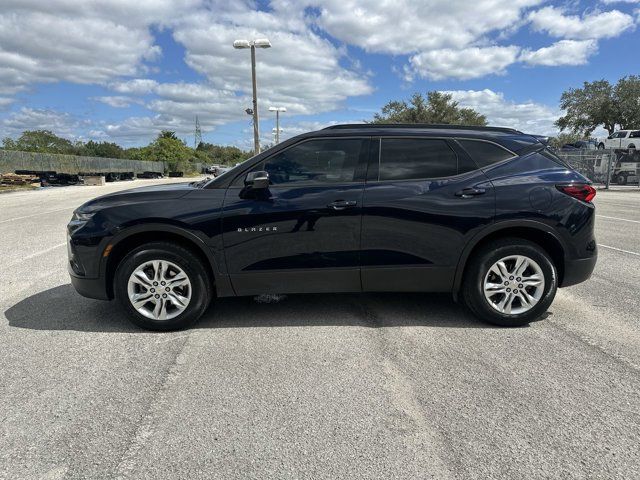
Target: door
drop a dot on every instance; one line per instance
(302, 234)
(425, 201)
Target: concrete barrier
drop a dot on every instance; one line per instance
(94, 180)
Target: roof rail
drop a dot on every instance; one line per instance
(421, 125)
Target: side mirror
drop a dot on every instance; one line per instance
(257, 180)
(609, 137)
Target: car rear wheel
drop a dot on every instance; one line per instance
(162, 286)
(511, 282)
(601, 146)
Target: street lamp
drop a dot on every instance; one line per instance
(277, 110)
(253, 44)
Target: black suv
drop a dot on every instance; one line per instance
(489, 214)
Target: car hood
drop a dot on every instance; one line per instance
(171, 191)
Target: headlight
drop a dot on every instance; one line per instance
(78, 221)
(82, 217)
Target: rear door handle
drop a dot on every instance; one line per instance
(342, 204)
(470, 192)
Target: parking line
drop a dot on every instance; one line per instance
(619, 250)
(36, 214)
(618, 218)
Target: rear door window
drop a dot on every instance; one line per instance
(485, 153)
(416, 158)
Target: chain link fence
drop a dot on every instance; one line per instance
(606, 168)
(11, 160)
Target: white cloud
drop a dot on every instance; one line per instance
(553, 21)
(117, 101)
(301, 70)
(407, 26)
(137, 86)
(60, 123)
(37, 47)
(529, 117)
(564, 52)
(6, 101)
(463, 64)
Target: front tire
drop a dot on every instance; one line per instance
(510, 282)
(162, 286)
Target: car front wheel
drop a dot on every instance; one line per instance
(511, 282)
(162, 286)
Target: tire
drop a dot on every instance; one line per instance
(195, 293)
(473, 291)
(621, 179)
(601, 146)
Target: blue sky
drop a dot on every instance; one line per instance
(121, 71)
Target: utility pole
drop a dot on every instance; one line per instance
(253, 44)
(277, 110)
(254, 84)
(198, 135)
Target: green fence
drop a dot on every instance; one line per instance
(10, 161)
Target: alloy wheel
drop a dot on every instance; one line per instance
(159, 289)
(514, 284)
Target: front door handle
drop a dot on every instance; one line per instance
(342, 204)
(470, 192)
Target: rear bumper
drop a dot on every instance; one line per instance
(577, 271)
(89, 287)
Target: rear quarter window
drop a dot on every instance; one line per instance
(416, 158)
(485, 153)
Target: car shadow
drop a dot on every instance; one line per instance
(61, 308)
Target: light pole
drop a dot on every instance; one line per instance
(277, 110)
(253, 44)
(276, 135)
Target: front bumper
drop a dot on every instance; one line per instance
(89, 287)
(577, 271)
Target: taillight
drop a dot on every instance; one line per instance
(581, 191)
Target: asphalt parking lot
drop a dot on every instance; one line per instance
(315, 386)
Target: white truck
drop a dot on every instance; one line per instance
(621, 139)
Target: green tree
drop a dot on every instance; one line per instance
(626, 95)
(589, 107)
(103, 149)
(167, 147)
(225, 155)
(42, 141)
(437, 108)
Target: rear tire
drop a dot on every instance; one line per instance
(173, 305)
(601, 146)
(484, 291)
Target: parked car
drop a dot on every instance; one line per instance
(621, 139)
(488, 214)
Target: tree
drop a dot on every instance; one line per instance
(170, 149)
(626, 95)
(601, 104)
(225, 155)
(168, 134)
(43, 141)
(103, 149)
(589, 107)
(438, 108)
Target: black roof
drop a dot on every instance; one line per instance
(420, 126)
